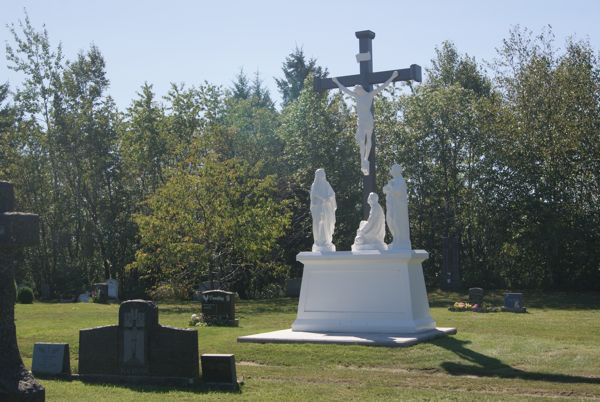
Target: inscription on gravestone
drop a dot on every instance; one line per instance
(51, 359)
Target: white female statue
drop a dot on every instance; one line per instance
(397, 209)
(364, 102)
(322, 208)
(370, 233)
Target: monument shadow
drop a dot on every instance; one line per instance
(486, 366)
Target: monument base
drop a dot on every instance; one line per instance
(366, 297)
(367, 339)
(366, 291)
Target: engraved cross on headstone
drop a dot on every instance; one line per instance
(366, 79)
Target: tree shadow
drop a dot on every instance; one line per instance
(486, 366)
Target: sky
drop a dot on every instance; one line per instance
(190, 42)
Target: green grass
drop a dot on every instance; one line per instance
(550, 353)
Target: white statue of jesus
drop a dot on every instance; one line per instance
(364, 102)
(396, 198)
(322, 208)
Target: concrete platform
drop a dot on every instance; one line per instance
(369, 339)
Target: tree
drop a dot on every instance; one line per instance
(295, 71)
(213, 220)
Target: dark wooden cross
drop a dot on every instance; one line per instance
(16, 230)
(367, 78)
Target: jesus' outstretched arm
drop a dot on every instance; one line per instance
(385, 84)
(343, 88)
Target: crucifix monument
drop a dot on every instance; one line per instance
(364, 94)
(373, 294)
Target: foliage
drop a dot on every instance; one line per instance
(295, 71)
(213, 221)
(25, 295)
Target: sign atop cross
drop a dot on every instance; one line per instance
(366, 79)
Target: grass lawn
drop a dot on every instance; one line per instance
(550, 353)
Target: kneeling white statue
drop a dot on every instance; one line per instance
(371, 233)
(322, 208)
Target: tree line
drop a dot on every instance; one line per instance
(211, 183)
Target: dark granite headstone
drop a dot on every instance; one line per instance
(219, 369)
(514, 302)
(292, 287)
(139, 347)
(218, 307)
(100, 292)
(476, 296)
(51, 359)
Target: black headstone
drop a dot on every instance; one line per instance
(219, 369)
(139, 347)
(218, 307)
(476, 296)
(100, 292)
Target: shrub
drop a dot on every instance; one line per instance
(25, 295)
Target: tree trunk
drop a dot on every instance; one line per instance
(16, 382)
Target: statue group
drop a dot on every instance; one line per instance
(371, 232)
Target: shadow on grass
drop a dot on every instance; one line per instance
(485, 366)
(142, 387)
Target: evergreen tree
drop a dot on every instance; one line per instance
(295, 71)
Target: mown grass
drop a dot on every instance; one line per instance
(550, 353)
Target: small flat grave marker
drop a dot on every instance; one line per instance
(219, 369)
(51, 359)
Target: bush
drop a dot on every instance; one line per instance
(25, 295)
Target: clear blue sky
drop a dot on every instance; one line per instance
(192, 41)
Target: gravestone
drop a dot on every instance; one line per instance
(100, 292)
(514, 302)
(292, 287)
(16, 230)
(113, 288)
(51, 359)
(476, 296)
(219, 369)
(138, 348)
(218, 307)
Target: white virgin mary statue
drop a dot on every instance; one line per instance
(397, 209)
(322, 208)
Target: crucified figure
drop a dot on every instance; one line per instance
(364, 101)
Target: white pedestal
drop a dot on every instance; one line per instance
(367, 291)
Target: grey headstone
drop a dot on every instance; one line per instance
(514, 302)
(51, 359)
(219, 369)
(113, 288)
